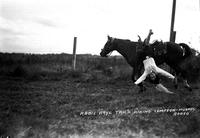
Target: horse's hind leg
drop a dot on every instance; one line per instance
(175, 81)
(187, 85)
(182, 74)
(185, 82)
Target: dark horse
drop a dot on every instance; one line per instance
(170, 53)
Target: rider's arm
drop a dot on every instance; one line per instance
(142, 78)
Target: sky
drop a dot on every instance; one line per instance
(49, 26)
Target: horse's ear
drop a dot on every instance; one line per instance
(109, 38)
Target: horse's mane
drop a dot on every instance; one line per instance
(129, 42)
(156, 42)
(122, 39)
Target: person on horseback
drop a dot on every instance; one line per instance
(151, 70)
(146, 40)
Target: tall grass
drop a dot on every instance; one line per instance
(58, 66)
(88, 67)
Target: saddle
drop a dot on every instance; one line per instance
(159, 48)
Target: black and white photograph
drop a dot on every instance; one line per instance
(99, 68)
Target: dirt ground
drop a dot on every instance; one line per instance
(71, 108)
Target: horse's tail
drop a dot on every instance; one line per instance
(188, 51)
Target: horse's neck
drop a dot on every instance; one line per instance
(127, 51)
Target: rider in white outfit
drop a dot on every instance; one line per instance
(152, 71)
(150, 66)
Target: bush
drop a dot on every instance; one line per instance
(74, 73)
(122, 73)
(19, 71)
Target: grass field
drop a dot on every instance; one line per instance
(98, 100)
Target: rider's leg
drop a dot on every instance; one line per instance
(161, 88)
(164, 73)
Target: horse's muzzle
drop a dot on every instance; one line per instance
(102, 54)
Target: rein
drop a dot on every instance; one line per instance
(109, 53)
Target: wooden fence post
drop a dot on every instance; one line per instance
(172, 37)
(172, 32)
(74, 54)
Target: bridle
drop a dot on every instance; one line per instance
(111, 41)
(109, 53)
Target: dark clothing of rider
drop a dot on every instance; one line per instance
(154, 81)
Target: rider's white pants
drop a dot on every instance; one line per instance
(150, 66)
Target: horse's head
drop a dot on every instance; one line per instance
(108, 47)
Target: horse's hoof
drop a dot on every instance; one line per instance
(189, 88)
(176, 86)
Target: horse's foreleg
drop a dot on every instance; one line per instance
(175, 81)
(135, 77)
(142, 87)
(187, 85)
